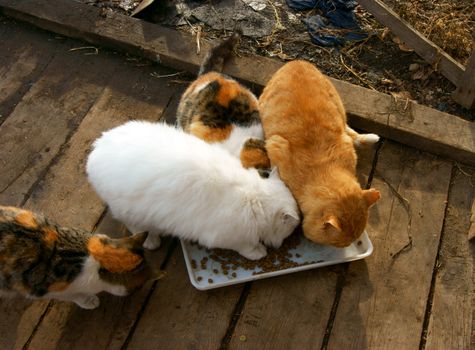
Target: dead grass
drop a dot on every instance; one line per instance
(448, 23)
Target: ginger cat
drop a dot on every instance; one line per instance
(308, 139)
(218, 109)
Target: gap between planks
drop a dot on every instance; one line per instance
(430, 298)
(342, 276)
(171, 249)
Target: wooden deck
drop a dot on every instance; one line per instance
(415, 291)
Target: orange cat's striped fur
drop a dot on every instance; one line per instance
(309, 141)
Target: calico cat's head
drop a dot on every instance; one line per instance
(337, 218)
(281, 208)
(123, 261)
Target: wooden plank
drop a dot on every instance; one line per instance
(451, 323)
(383, 300)
(163, 45)
(45, 119)
(25, 54)
(169, 116)
(180, 317)
(289, 312)
(131, 94)
(465, 93)
(304, 302)
(410, 123)
(400, 120)
(471, 232)
(425, 48)
(32, 138)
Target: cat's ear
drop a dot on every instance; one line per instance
(334, 222)
(290, 217)
(274, 173)
(371, 196)
(138, 239)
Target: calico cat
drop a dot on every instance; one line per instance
(160, 179)
(218, 109)
(308, 139)
(39, 259)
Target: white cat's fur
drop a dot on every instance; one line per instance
(239, 135)
(157, 178)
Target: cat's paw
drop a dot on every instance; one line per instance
(118, 290)
(255, 253)
(254, 154)
(277, 148)
(152, 242)
(88, 302)
(366, 140)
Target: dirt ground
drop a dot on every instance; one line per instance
(379, 62)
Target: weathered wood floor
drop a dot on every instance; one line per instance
(415, 291)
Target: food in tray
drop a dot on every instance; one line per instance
(297, 253)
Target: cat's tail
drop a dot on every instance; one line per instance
(217, 56)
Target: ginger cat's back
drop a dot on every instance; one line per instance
(307, 138)
(302, 106)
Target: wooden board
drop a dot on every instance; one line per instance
(180, 317)
(45, 119)
(425, 48)
(400, 120)
(33, 138)
(131, 94)
(451, 324)
(384, 297)
(293, 311)
(24, 57)
(410, 123)
(465, 93)
(471, 232)
(288, 312)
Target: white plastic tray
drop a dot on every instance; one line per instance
(311, 256)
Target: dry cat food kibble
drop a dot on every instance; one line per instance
(203, 263)
(210, 280)
(193, 264)
(276, 259)
(296, 254)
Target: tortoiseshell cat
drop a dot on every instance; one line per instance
(218, 109)
(308, 139)
(39, 259)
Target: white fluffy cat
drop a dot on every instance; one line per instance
(160, 179)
